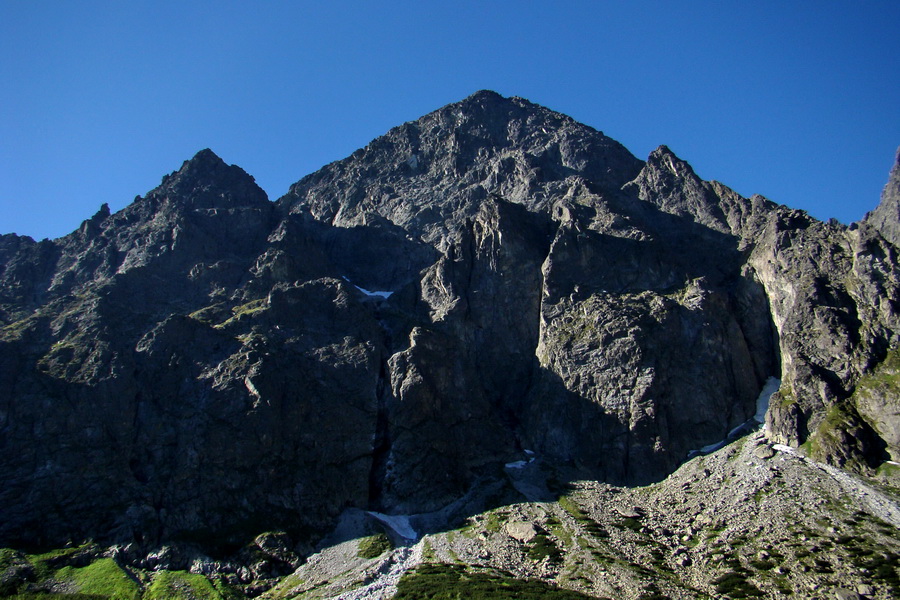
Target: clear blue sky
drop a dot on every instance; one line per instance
(798, 101)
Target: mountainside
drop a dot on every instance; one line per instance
(492, 283)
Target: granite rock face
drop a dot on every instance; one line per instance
(886, 216)
(491, 279)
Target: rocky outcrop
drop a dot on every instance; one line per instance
(492, 278)
(833, 293)
(886, 216)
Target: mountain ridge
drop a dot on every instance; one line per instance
(206, 364)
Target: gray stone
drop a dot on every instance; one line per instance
(630, 512)
(524, 531)
(764, 452)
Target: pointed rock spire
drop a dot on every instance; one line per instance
(667, 160)
(886, 217)
(205, 160)
(206, 181)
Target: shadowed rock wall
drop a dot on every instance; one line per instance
(492, 278)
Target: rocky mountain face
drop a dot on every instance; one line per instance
(490, 282)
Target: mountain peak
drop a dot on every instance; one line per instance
(485, 95)
(664, 158)
(448, 158)
(204, 161)
(485, 105)
(491, 277)
(207, 181)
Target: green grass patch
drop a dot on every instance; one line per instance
(590, 526)
(823, 566)
(17, 329)
(373, 546)
(883, 568)
(735, 585)
(51, 596)
(11, 559)
(102, 577)
(494, 522)
(541, 547)
(225, 591)
(784, 397)
(760, 494)
(783, 585)
(209, 314)
(284, 589)
(572, 508)
(181, 585)
(45, 564)
(629, 523)
(888, 471)
(884, 378)
(452, 582)
(249, 308)
(762, 565)
(428, 554)
(244, 310)
(557, 529)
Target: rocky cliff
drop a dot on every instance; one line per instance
(491, 281)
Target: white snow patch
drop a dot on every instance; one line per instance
(890, 462)
(399, 523)
(671, 165)
(384, 294)
(783, 448)
(522, 463)
(762, 402)
(251, 388)
(368, 293)
(762, 405)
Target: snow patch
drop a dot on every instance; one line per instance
(251, 388)
(783, 448)
(671, 165)
(762, 405)
(380, 294)
(519, 464)
(762, 402)
(399, 523)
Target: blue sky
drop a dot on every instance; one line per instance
(798, 101)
